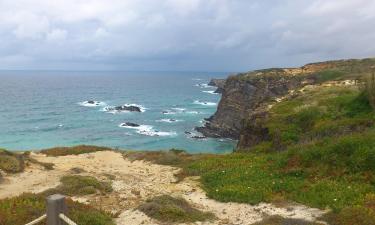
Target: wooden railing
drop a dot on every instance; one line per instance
(56, 210)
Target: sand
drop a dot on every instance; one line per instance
(134, 182)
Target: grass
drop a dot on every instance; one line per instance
(173, 210)
(172, 157)
(28, 207)
(74, 185)
(370, 88)
(328, 75)
(76, 150)
(333, 175)
(327, 138)
(319, 113)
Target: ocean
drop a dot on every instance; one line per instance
(43, 109)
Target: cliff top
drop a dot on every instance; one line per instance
(338, 69)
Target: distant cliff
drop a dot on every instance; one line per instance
(243, 107)
(219, 83)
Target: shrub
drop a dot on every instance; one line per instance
(172, 210)
(82, 185)
(370, 88)
(278, 220)
(11, 162)
(76, 150)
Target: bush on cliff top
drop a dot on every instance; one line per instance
(73, 185)
(173, 210)
(11, 162)
(76, 150)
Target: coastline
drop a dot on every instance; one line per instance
(135, 181)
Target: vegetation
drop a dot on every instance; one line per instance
(173, 210)
(319, 113)
(76, 150)
(278, 220)
(81, 185)
(326, 158)
(370, 88)
(11, 162)
(329, 75)
(28, 207)
(172, 157)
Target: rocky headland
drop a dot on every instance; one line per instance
(246, 97)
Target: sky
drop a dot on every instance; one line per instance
(182, 35)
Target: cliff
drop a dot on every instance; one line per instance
(246, 97)
(219, 83)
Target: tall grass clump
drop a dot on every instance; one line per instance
(370, 88)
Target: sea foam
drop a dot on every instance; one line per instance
(198, 102)
(168, 120)
(148, 130)
(210, 92)
(92, 103)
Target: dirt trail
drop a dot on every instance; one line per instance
(134, 182)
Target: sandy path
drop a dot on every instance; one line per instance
(136, 181)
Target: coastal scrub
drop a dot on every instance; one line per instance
(173, 210)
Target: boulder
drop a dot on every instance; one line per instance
(130, 108)
(130, 124)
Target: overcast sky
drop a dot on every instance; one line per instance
(188, 35)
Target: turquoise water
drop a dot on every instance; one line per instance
(46, 109)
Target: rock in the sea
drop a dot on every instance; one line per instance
(130, 124)
(130, 108)
(91, 102)
(198, 137)
(187, 132)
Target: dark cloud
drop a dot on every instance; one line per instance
(209, 35)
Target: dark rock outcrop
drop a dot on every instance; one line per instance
(130, 108)
(243, 95)
(219, 83)
(130, 124)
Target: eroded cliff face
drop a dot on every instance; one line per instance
(219, 83)
(246, 97)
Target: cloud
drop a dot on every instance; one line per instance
(182, 34)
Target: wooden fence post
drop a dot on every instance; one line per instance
(55, 206)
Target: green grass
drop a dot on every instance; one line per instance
(76, 150)
(321, 112)
(327, 138)
(74, 185)
(334, 175)
(172, 157)
(328, 75)
(173, 210)
(27, 207)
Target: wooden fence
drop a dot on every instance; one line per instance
(56, 210)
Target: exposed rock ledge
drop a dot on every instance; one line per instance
(219, 83)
